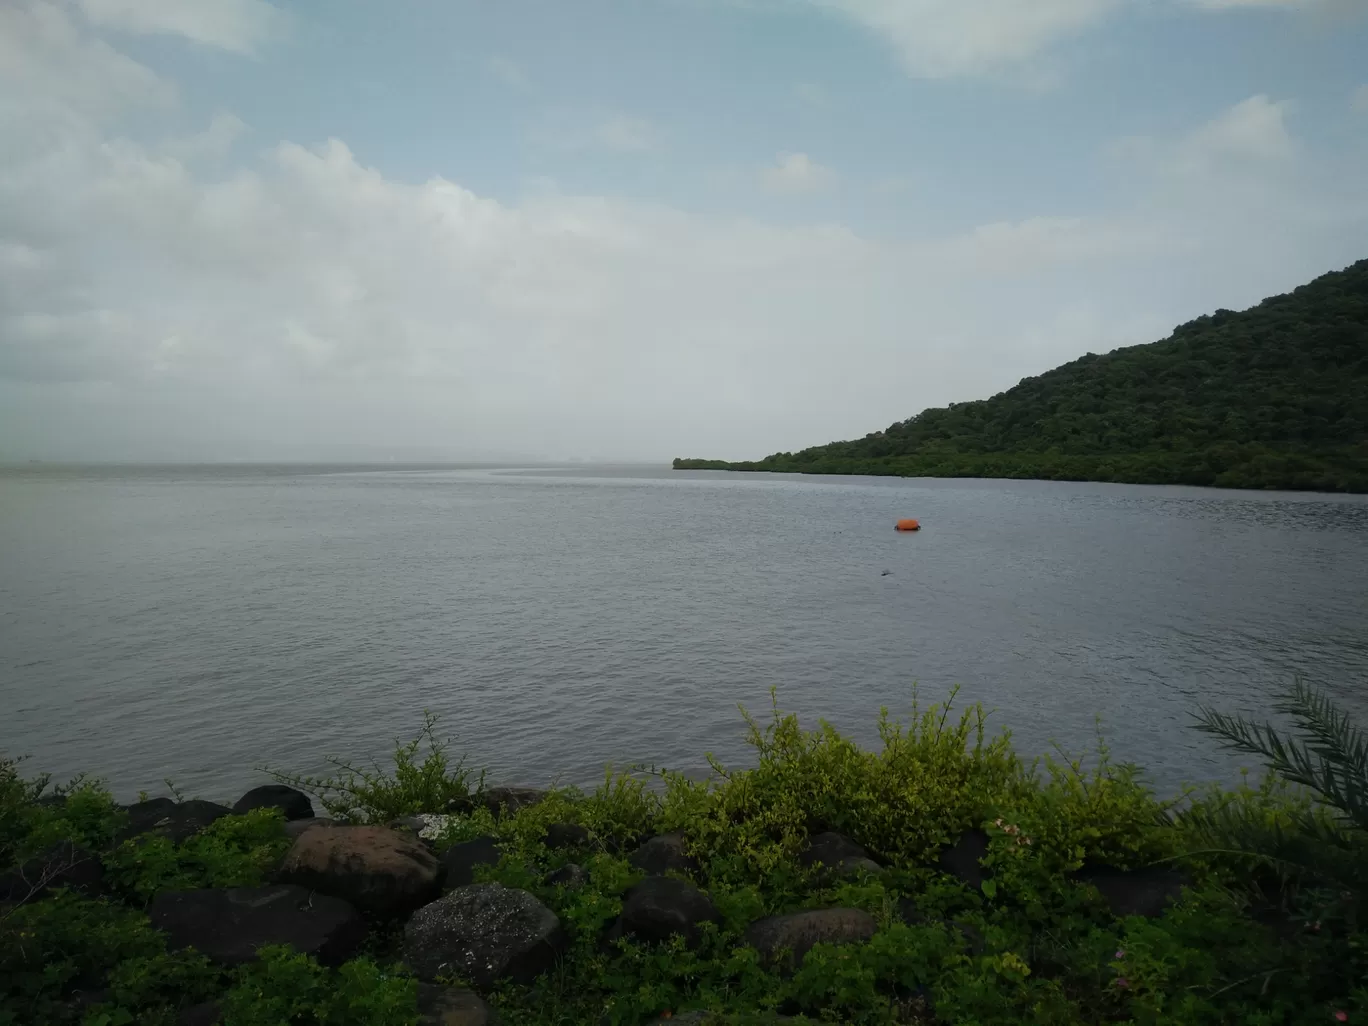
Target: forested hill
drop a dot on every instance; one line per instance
(1273, 397)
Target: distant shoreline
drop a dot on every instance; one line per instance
(1259, 470)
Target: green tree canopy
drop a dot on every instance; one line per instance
(1275, 396)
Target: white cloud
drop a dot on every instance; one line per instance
(626, 134)
(1249, 137)
(237, 25)
(1359, 99)
(65, 73)
(947, 38)
(510, 73)
(212, 144)
(796, 172)
(1014, 247)
(1253, 129)
(951, 38)
(154, 306)
(1286, 5)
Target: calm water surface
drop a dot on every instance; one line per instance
(195, 622)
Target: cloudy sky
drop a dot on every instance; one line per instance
(634, 229)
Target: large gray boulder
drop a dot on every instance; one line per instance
(963, 859)
(797, 932)
(174, 820)
(561, 836)
(661, 906)
(838, 855)
(379, 870)
(484, 933)
(508, 800)
(228, 926)
(460, 860)
(663, 854)
(62, 865)
(295, 828)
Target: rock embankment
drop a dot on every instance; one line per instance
(337, 882)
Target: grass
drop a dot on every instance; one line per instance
(1255, 939)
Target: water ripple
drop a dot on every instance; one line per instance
(193, 622)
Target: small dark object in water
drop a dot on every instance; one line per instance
(886, 573)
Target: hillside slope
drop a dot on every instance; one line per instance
(1273, 397)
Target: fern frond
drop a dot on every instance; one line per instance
(1332, 761)
(1305, 842)
(1341, 747)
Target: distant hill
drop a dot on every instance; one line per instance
(1273, 397)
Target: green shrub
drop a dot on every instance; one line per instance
(930, 781)
(48, 946)
(1312, 818)
(235, 851)
(1260, 938)
(284, 987)
(424, 779)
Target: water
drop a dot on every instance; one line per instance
(196, 622)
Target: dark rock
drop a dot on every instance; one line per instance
(570, 876)
(379, 870)
(971, 936)
(839, 854)
(485, 933)
(176, 821)
(908, 911)
(207, 1013)
(566, 835)
(228, 926)
(508, 800)
(295, 827)
(661, 906)
(962, 859)
(408, 824)
(1135, 892)
(64, 865)
(452, 1006)
(798, 932)
(295, 804)
(663, 854)
(623, 844)
(460, 860)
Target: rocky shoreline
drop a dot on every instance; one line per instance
(338, 882)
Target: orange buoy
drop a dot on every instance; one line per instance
(908, 525)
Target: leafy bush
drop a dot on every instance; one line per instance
(286, 987)
(424, 779)
(235, 851)
(1325, 837)
(931, 780)
(48, 947)
(1028, 945)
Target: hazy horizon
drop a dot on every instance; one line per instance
(232, 230)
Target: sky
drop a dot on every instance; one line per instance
(634, 229)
